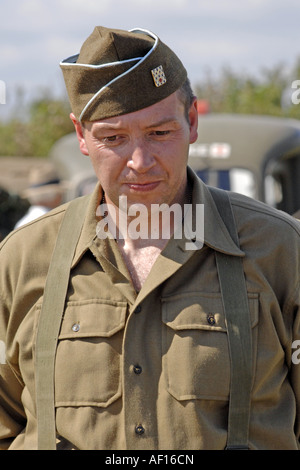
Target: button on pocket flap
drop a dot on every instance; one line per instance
(201, 311)
(93, 318)
(194, 311)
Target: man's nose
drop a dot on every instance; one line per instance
(141, 158)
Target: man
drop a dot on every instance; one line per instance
(45, 192)
(144, 354)
(297, 214)
(12, 207)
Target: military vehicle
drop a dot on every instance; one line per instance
(74, 168)
(255, 155)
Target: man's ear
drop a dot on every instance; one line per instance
(193, 119)
(80, 135)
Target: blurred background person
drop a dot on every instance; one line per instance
(12, 208)
(45, 192)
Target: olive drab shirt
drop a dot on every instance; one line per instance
(151, 370)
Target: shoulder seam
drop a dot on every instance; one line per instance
(45, 216)
(268, 211)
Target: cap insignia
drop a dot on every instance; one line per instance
(158, 75)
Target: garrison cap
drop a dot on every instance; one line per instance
(119, 72)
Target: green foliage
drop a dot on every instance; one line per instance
(242, 94)
(47, 120)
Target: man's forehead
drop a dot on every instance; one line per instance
(121, 124)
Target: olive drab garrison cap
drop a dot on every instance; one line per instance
(119, 72)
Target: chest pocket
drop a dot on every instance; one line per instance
(87, 369)
(195, 345)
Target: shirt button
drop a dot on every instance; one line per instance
(76, 327)
(139, 430)
(137, 369)
(138, 309)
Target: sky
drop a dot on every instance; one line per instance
(208, 35)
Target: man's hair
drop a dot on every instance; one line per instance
(186, 96)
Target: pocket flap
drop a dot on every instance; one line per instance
(93, 318)
(201, 311)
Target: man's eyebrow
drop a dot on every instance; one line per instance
(170, 120)
(106, 126)
(109, 126)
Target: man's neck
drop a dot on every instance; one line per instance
(136, 226)
(142, 237)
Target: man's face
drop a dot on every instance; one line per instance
(142, 155)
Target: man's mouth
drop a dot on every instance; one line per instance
(143, 187)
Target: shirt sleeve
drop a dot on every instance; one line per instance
(12, 415)
(295, 362)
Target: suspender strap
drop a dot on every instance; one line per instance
(50, 320)
(235, 302)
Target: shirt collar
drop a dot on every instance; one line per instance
(216, 235)
(88, 233)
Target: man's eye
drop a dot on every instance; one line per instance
(111, 138)
(159, 133)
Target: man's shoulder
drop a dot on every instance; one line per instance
(41, 233)
(38, 231)
(254, 212)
